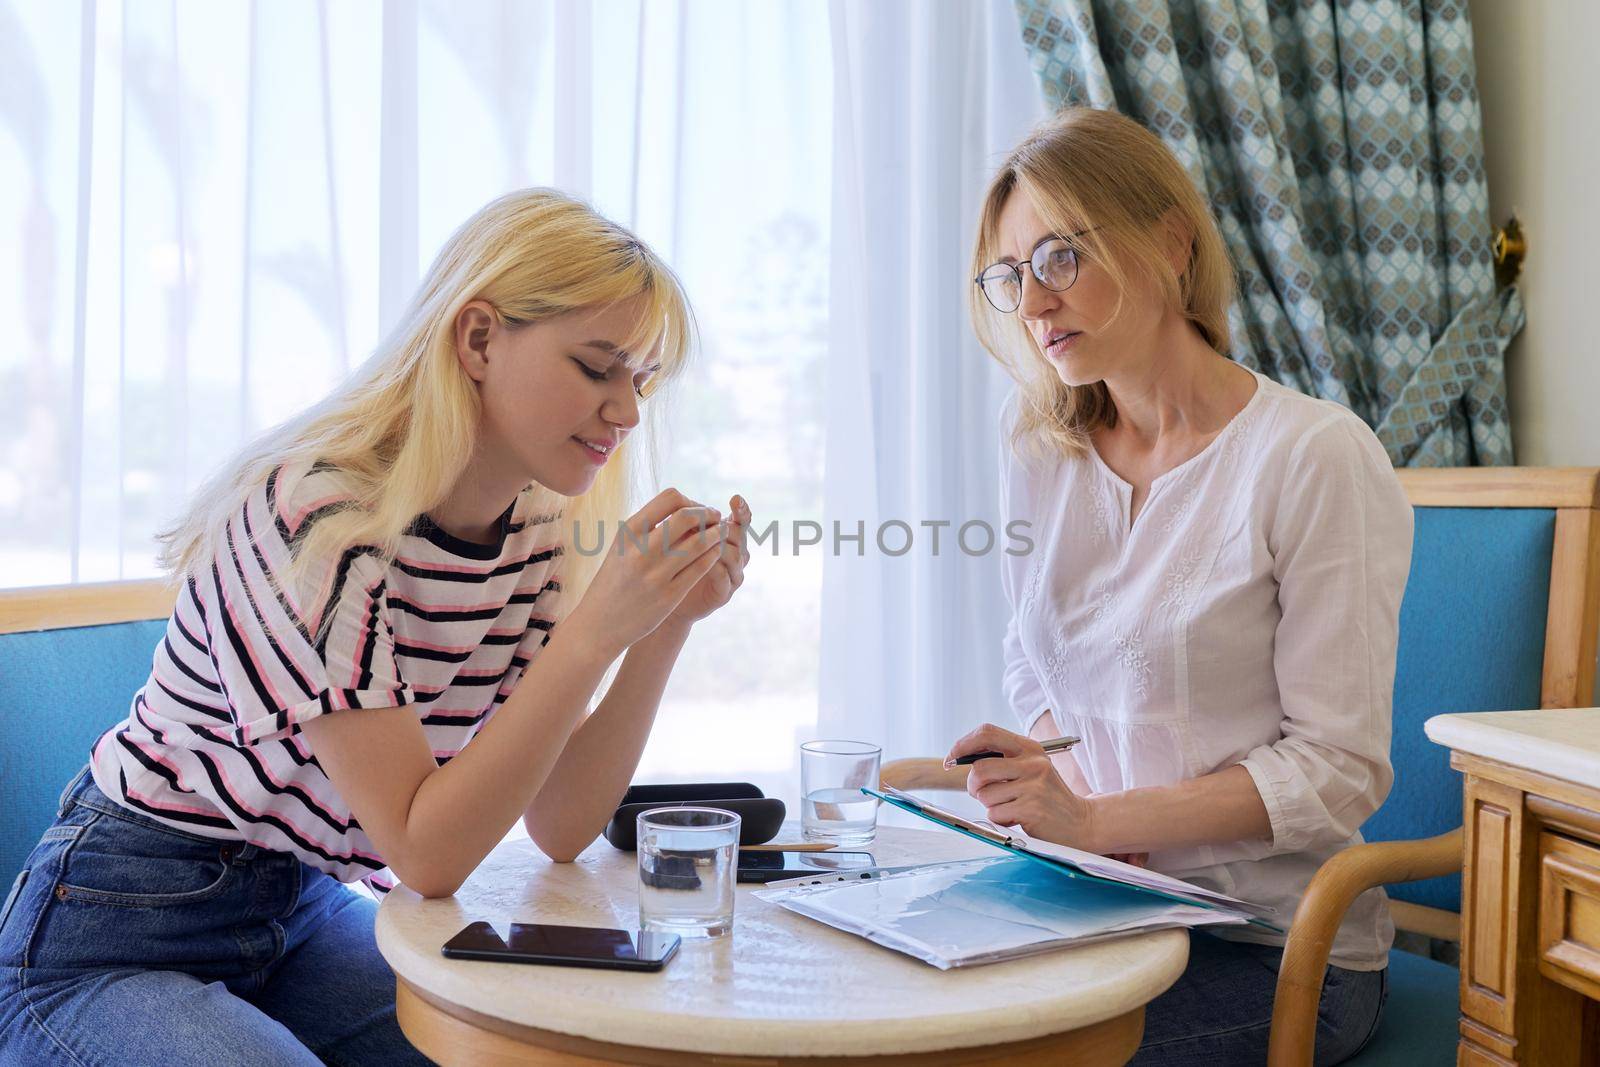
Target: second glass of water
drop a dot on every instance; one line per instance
(835, 809)
(687, 859)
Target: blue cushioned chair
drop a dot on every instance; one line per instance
(1492, 620)
(71, 659)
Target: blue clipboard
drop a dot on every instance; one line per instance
(990, 836)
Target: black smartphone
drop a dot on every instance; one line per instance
(762, 866)
(562, 946)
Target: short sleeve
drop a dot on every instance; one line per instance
(1341, 546)
(279, 664)
(1020, 684)
(542, 620)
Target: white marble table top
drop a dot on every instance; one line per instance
(1560, 742)
(781, 984)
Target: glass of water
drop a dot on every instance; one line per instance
(687, 859)
(835, 809)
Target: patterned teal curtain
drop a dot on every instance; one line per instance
(1341, 146)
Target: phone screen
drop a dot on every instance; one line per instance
(762, 866)
(572, 946)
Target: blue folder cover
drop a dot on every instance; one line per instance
(1061, 865)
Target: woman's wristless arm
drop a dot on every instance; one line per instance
(594, 771)
(433, 825)
(583, 789)
(1213, 809)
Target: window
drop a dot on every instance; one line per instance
(209, 213)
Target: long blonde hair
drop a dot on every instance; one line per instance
(1100, 172)
(402, 427)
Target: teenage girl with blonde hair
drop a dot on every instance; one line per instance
(381, 657)
(1214, 600)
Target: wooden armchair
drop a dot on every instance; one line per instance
(1502, 611)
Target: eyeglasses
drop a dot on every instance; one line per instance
(1054, 263)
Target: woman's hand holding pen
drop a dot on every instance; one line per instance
(1023, 788)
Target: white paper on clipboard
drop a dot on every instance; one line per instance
(1017, 842)
(984, 910)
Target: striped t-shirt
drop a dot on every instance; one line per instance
(213, 745)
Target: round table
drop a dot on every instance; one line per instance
(782, 989)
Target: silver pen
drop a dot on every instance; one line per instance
(1051, 747)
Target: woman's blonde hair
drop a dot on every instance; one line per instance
(1104, 174)
(401, 429)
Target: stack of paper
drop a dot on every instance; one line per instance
(1104, 867)
(984, 910)
(1037, 896)
(1075, 863)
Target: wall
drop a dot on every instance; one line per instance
(1540, 91)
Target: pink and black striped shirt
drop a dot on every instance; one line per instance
(212, 744)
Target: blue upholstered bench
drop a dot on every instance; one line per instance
(70, 661)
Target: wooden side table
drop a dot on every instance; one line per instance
(1530, 894)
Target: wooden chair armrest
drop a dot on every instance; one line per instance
(1330, 894)
(923, 773)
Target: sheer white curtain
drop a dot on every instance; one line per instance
(928, 98)
(211, 209)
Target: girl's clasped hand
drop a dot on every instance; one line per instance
(673, 558)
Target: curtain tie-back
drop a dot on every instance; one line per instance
(1470, 349)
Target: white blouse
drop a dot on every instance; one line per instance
(1248, 615)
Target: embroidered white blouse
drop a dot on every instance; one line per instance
(1247, 615)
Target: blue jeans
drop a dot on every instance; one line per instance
(1220, 1010)
(128, 942)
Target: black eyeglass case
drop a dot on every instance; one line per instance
(760, 817)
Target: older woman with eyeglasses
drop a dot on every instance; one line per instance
(1213, 603)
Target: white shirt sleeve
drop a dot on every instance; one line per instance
(1341, 544)
(1018, 681)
